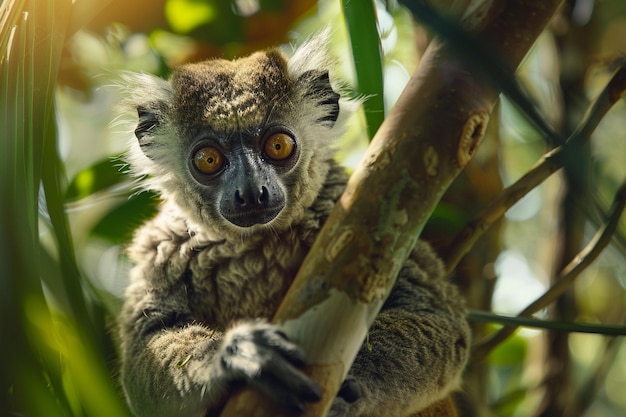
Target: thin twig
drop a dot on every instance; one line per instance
(566, 276)
(601, 329)
(546, 166)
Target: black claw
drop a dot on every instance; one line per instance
(298, 408)
(350, 391)
(314, 394)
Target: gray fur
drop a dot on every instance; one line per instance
(194, 323)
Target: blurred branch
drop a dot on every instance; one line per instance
(519, 321)
(566, 276)
(547, 165)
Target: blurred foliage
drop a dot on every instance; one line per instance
(53, 357)
(68, 206)
(97, 177)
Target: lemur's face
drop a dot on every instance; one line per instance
(238, 140)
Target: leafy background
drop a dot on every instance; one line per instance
(68, 208)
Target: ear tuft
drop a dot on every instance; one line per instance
(145, 115)
(314, 68)
(311, 55)
(148, 120)
(318, 88)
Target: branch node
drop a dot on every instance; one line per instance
(338, 244)
(471, 136)
(431, 161)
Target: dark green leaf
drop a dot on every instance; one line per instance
(118, 225)
(100, 176)
(360, 17)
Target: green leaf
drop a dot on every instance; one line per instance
(511, 352)
(42, 354)
(98, 177)
(187, 15)
(360, 18)
(447, 218)
(118, 225)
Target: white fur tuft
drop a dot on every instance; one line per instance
(140, 89)
(314, 54)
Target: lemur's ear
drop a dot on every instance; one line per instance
(317, 85)
(314, 67)
(148, 121)
(150, 96)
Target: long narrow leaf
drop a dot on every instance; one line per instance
(51, 364)
(19, 184)
(360, 18)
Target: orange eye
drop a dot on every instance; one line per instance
(208, 160)
(279, 146)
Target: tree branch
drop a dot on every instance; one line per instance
(429, 136)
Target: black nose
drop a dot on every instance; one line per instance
(251, 196)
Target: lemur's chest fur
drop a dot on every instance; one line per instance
(225, 281)
(245, 280)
